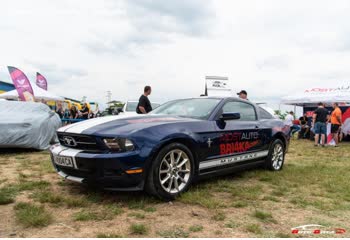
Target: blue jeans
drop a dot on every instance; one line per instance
(320, 128)
(295, 128)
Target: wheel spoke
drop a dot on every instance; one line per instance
(183, 162)
(170, 184)
(172, 158)
(176, 184)
(165, 179)
(166, 163)
(164, 171)
(179, 155)
(184, 171)
(182, 179)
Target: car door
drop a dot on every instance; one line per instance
(236, 141)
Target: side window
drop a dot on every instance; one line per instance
(246, 110)
(264, 114)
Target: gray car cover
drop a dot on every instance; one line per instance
(27, 125)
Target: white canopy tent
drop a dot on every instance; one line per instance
(39, 94)
(310, 97)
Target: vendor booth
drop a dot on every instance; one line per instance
(39, 93)
(309, 98)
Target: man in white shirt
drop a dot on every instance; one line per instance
(289, 122)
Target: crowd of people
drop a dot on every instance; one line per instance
(316, 126)
(74, 112)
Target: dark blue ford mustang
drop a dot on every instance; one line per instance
(165, 151)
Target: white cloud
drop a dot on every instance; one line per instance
(84, 48)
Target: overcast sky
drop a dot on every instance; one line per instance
(87, 47)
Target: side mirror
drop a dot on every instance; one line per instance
(230, 116)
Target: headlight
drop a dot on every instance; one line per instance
(119, 144)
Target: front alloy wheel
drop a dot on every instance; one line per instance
(171, 172)
(175, 171)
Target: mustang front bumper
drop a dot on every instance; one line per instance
(111, 171)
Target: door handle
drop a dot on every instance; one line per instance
(256, 126)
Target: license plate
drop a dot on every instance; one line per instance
(63, 161)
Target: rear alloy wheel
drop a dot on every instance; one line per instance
(171, 172)
(275, 159)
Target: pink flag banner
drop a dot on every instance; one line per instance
(41, 81)
(22, 84)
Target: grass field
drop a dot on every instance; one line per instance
(313, 188)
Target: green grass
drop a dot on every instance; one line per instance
(264, 216)
(150, 209)
(195, 228)
(138, 229)
(239, 204)
(201, 195)
(46, 166)
(85, 215)
(108, 212)
(231, 224)
(176, 232)
(75, 202)
(254, 228)
(137, 215)
(30, 215)
(114, 209)
(47, 197)
(32, 185)
(219, 216)
(7, 194)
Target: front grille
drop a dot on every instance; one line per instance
(82, 142)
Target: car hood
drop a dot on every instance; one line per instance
(110, 125)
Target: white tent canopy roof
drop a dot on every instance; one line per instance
(313, 96)
(39, 94)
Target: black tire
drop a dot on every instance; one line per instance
(153, 184)
(274, 163)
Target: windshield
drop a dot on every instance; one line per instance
(194, 108)
(131, 107)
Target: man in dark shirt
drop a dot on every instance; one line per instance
(85, 111)
(304, 126)
(144, 106)
(319, 123)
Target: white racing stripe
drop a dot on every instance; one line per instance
(84, 125)
(232, 159)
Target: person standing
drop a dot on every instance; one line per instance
(85, 111)
(144, 106)
(336, 123)
(319, 122)
(59, 110)
(289, 122)
(305, 128)
(243, 95)
(74, 114)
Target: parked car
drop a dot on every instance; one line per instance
(27, 125)
(129, 108)
(165, 151)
